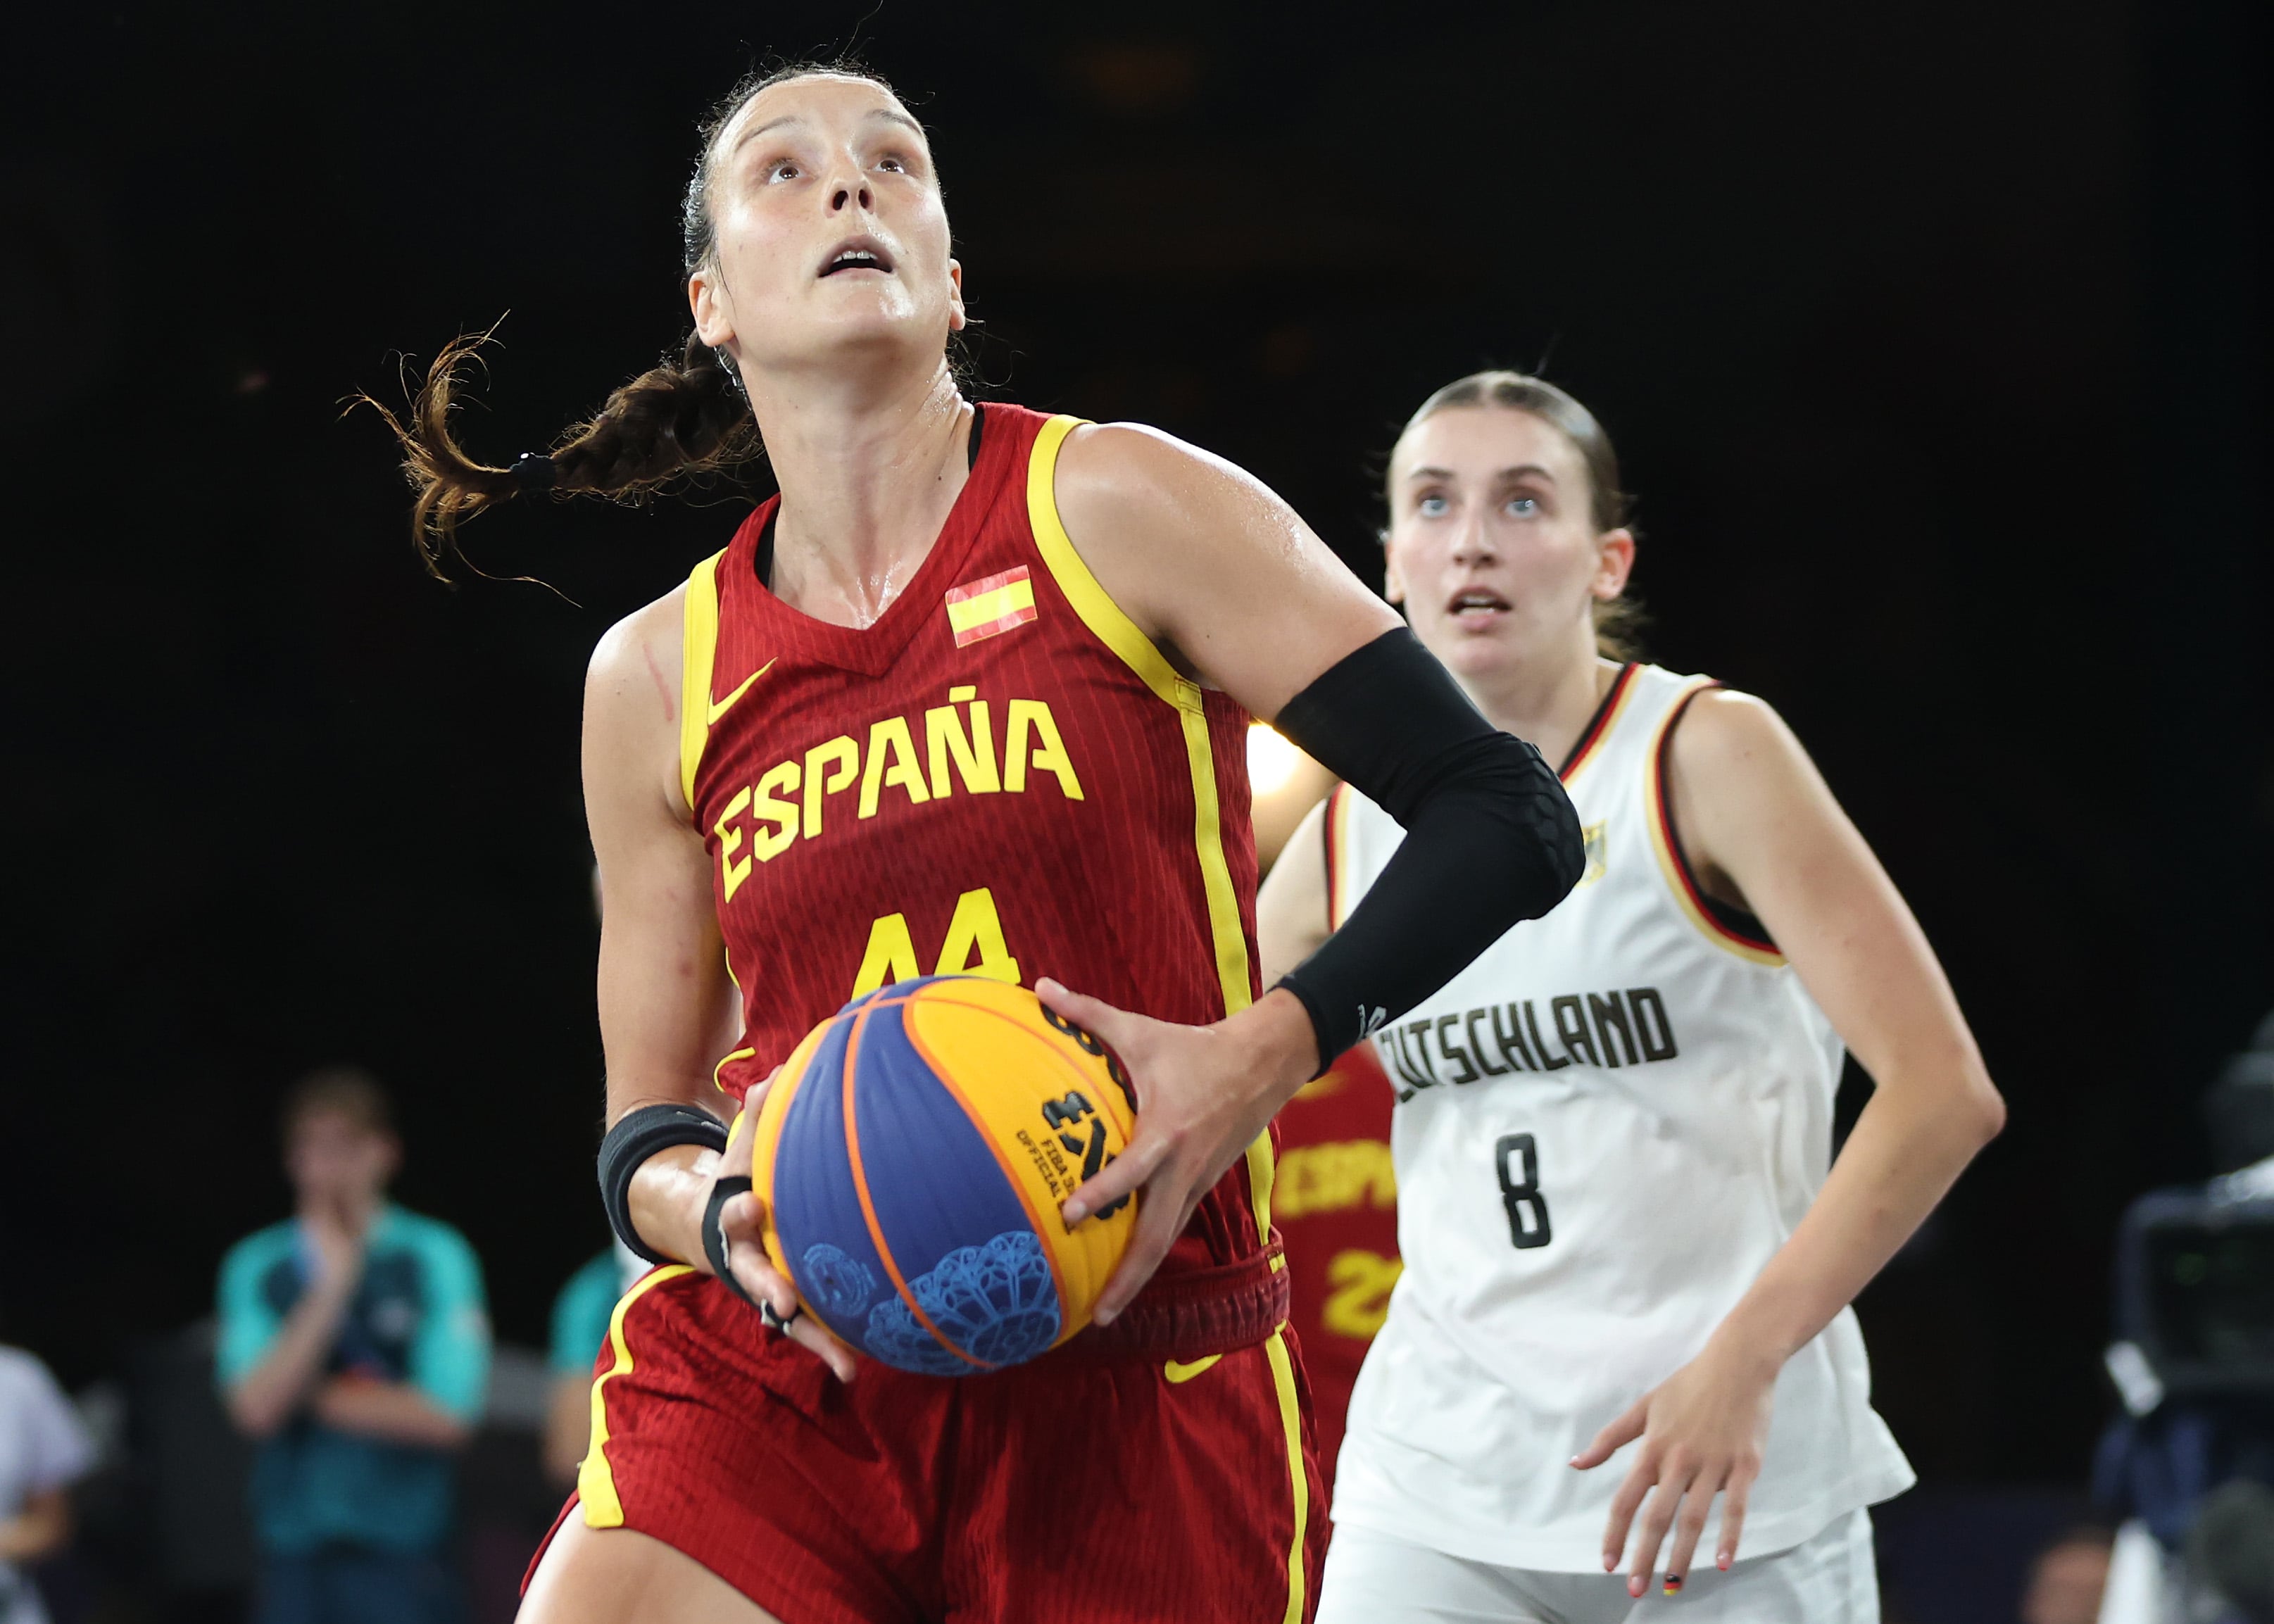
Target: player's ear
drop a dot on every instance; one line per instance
(956, 315)
(712, 309)
(1393, 581)
(1613, 563)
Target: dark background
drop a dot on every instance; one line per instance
(1932, 337)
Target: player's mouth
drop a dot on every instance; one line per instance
(854, 255)
(1475, 608)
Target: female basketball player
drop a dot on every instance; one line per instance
(1613, 1127)
(969, 695)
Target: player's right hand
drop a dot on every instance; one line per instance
(1204, 1094)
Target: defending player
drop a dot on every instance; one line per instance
(969, 695)
(1613, 1127)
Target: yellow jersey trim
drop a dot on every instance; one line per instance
(1098, 611)
(1659, 818)
(718, 1073)
(1116, 631)
(596, 1482)
(1290, 1417)
(698, 649)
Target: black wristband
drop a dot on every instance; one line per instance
(639, 1135)
(1491, 837)
(714, 1235)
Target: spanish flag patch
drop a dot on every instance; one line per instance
(991, 606)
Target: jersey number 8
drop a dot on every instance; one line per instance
(1515, 1157)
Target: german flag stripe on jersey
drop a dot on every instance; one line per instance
(1599, 726)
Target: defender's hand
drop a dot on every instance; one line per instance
(1204, 1095)
(1703, 1429)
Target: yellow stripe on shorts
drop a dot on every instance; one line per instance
(596, 1483)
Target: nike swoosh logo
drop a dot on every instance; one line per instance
(727, 703)
(1178, 1373)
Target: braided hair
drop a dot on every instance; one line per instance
(686, 416)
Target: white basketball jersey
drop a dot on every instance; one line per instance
(1605, 1125)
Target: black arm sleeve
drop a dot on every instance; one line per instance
(1490, 836)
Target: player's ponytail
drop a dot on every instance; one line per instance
(688, 414)
(685, 415)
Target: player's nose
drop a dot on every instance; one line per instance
(850, 191)
(1473, 547)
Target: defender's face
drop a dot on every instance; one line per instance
(831, 231)
(1492, 549)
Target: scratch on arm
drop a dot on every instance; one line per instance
(662, 684)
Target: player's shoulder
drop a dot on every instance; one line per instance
(1727, 728)
(594, 1279)
(1127, 478)
(645, 634)
(1732, 755)
(261, 1250)
(430, 1240)
(589, 1293)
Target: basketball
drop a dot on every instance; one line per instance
(913, 1155)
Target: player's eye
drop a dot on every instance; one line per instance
(1433, 506)
(782, 169)
(1524, 506)
(895, 165)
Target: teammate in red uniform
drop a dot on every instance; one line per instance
(969, 695)
(1335, 1205)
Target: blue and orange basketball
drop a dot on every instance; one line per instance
(913, 1156)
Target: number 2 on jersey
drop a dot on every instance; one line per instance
(1515, 1157)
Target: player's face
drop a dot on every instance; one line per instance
(334, 1158)
(1492, 549)
(831, 235)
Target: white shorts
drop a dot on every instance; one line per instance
(1375, 1578)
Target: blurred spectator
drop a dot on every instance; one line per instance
(354, 1345)
(42, 1450)
(580, 1324)
(2068, 1577)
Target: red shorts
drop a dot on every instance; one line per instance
(1100, 1482)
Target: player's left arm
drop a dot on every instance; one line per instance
(1761, 827)
(1237, 592)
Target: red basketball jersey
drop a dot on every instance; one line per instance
(1001, 776)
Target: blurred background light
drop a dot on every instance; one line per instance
(1272, 763)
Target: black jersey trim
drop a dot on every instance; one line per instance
(1737, 922)
(1596, 724)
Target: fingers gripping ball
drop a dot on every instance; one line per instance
(912, 1157)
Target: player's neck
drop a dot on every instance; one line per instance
(1549, 704)
(868, 473)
